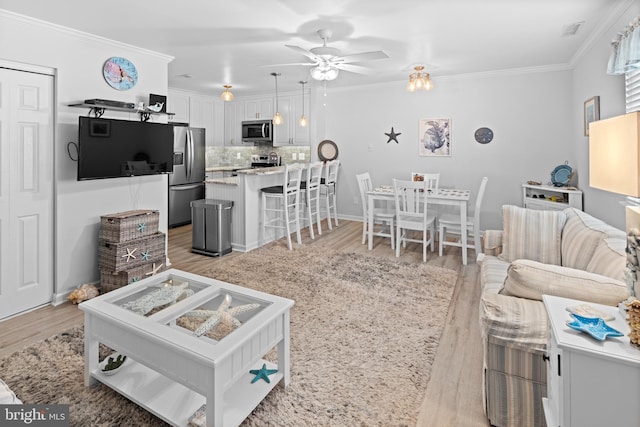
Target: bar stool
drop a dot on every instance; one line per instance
(310, 190)
(286, 199)
(328, 186)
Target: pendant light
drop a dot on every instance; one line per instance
(303, 120)
(277, 118)
(226, 95)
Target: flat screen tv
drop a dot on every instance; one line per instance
(109, 148)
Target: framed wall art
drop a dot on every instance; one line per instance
(435, 137)
(591, 112)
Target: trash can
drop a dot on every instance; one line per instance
(211, 227)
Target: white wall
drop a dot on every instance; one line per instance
(78, 59)
(590, 79)
(529, 112)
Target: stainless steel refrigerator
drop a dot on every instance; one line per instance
(186, 183)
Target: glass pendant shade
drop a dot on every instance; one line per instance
(277, 119)
(303, 120)
(226, 95)
(419, 80)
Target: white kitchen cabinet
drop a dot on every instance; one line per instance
(261, 108)
(544, 197)
(178, 103)
(590, 382)
(290, 132)
(233, 117)
(197, 110)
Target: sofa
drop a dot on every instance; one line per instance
(566, 253)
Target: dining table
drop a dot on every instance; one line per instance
(443, 196)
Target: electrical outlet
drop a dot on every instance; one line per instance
(294, 156)
(301, 156)
(239, 156)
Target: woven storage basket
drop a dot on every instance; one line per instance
(124, 226)
(114, 256)
(110, 281)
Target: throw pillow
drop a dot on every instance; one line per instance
(531, 279)
(532, 234)
(609, 258)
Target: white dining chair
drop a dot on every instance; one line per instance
(412, 214)
(381, 215)
(328, 190)
(310, 192)
(449, 224)
(284, 206)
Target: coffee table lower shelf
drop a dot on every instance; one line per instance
(175, 403)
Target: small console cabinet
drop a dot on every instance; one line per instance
(546, 197)
(589, 382)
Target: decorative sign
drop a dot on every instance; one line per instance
(120, 73)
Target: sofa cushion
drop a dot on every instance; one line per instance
(531, 279)
(532, 234)
(492, 273)
(609, 258)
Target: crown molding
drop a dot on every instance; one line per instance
(81, 35)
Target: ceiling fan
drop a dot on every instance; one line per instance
(327, 61)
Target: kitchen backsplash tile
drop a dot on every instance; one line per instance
(241, 156)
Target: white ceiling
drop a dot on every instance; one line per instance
(234, 42)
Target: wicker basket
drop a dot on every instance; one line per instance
(123, 256)
(124, 226)
(110, 281)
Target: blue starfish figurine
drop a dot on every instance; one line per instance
(262, 373)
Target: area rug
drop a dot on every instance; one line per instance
(364, 333)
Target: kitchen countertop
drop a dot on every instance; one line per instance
(231, 180)
(226, 168)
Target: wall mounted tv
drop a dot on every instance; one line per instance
(109, 148)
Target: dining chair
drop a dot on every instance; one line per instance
(285, 200)
(449, 224)
(328, 187)
(381, 215)
(431, 180)
(310, 191)
(412, 214)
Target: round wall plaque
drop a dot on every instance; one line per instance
(484, 135)
(120, 73)
(327, 150)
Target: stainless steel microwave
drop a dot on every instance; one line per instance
(257, 131)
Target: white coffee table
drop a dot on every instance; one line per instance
(170, 371)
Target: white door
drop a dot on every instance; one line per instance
(26, 190)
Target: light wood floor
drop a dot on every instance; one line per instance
(453, 396)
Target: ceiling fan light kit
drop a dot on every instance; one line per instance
(419, 80)
(226, 95)
(277, 118)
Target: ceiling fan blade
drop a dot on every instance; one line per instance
(365, 56)
(287, 65)
(352, 68)
(305, 52)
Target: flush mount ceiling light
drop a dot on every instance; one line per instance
(277, 118)
(419, 80)
(303, 120)
(226, 95)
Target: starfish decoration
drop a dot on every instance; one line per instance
(141, 227)
(393, 136)
(154, 269)
(262, 373)
(223, 312)
(161, 296)
(130, 254)
(145, 255)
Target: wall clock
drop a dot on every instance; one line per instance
(120, 73)
(327, 150)
(484, 135)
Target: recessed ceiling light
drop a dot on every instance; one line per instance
(572, 29)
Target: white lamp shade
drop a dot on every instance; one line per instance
(614, 154)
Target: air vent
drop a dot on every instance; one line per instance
(572, 29)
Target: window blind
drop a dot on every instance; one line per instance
(632, 90)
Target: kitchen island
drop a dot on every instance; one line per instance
(244, 191)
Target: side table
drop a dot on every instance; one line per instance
(590, 382)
